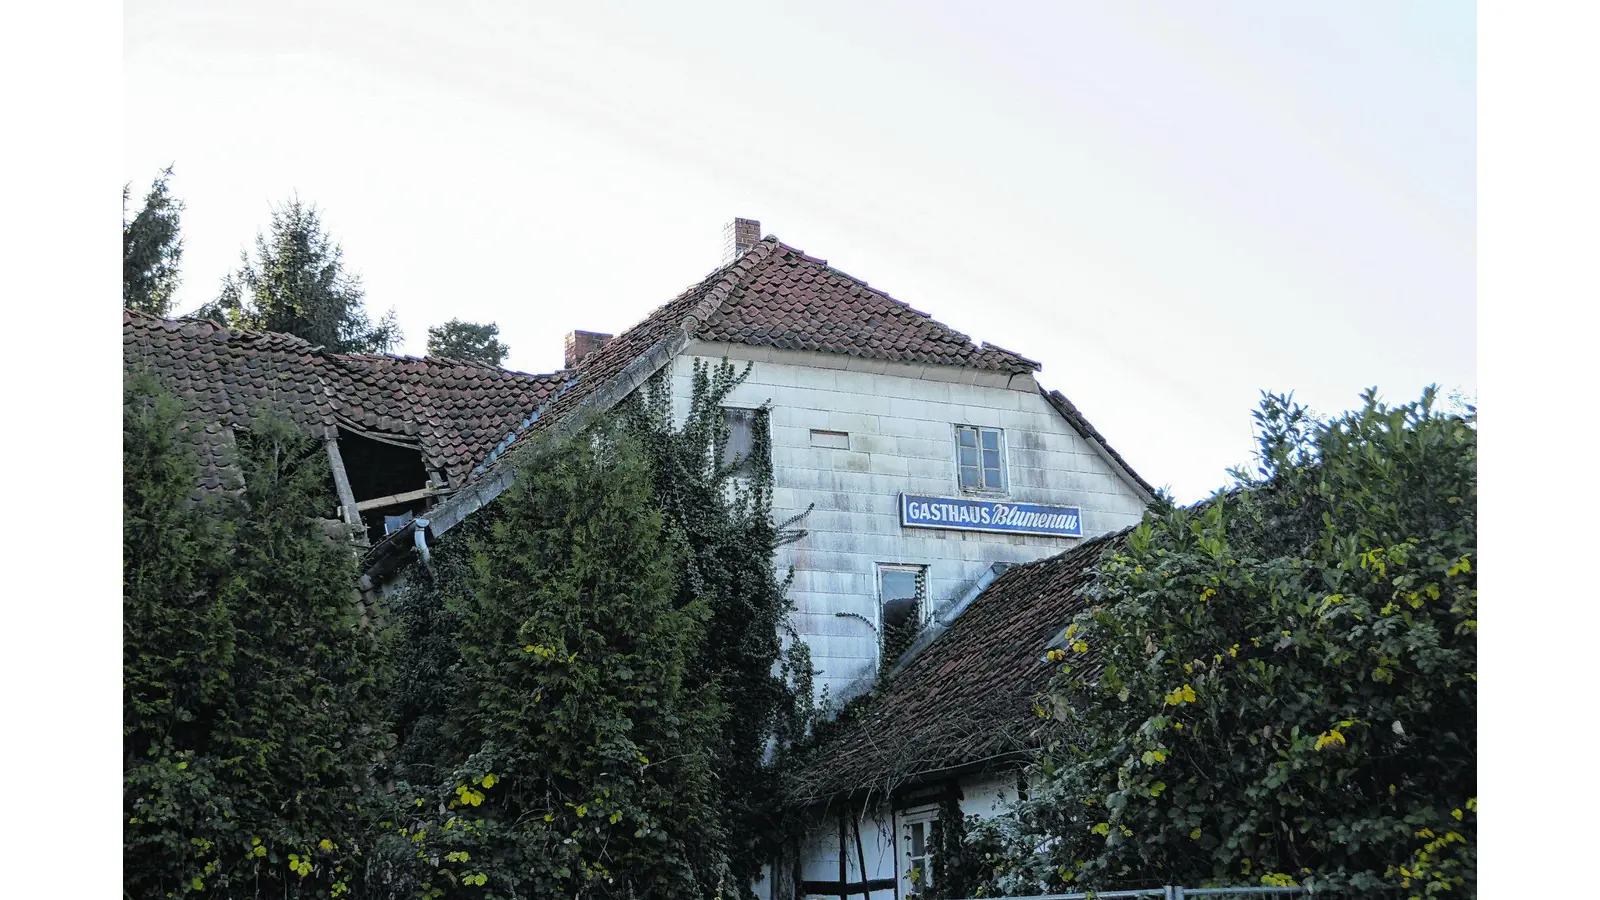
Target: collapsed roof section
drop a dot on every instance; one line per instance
(453, 412)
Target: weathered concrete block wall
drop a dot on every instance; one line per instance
(901, 424)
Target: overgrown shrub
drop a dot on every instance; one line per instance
(594, 683)
(252, 689)
(1278, 686)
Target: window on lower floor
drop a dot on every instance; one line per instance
(902, 599)
(919, 852)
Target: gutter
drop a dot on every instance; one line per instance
(931, 632)
(947, 617)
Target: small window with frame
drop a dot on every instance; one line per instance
(741, 445)
(981, 459)
(902, 602)
(918, 834)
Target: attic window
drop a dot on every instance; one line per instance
(902, 598)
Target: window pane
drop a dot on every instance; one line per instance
(968, 437)
(991, 459)
(917, 841)
(992, 480)
(969, 476)
(741, 429)
(899, 584)
(991, 439)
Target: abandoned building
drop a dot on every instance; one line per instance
(952, 498)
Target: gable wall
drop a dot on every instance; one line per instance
(901, 423)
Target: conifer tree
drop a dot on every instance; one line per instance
(297, 284)
(152, 248)
(252, 698)
(571, 752)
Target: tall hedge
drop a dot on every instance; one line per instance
(1278, 686)
(635, 530)
(568, 756)
(252, 690)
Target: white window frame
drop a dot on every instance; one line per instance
(923, 606)
(1005, 474)
(924, 816)
(755, 419)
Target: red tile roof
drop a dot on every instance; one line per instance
(968, 698)
(453, 411)
(464, 416)
(797, 302)
(776, 296)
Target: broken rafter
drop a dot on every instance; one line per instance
(348, 508)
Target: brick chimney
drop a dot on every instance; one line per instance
(580, 344)
(738, 237)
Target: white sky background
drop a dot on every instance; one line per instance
(1171, 206)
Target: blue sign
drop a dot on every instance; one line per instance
(966, 514)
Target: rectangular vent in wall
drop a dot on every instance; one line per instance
(838, 440)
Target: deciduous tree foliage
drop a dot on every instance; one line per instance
(470, 341)
(152, 248)
(1277, 686)
(252, 689)
(297, 284)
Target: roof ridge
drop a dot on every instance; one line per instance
(865, 284)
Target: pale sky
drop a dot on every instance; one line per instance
(1172, 206)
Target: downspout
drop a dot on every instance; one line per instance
(419, 533)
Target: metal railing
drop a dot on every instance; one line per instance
(1174, 892)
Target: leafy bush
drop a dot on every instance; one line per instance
(1278, 686)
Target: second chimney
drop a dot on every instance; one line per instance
(738, 237)
(580, 344)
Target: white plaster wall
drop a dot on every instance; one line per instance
(819, 853)
(988, 795)
(883, 832)
(901, 423)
